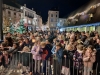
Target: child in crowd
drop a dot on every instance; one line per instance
(36, 55)
(59, 52)
(78, 60)
(44, 53)
(88, 60)
(66, 59)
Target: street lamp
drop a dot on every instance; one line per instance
(1, 28)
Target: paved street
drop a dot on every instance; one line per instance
(4, 71)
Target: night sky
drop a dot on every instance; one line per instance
(64, 6)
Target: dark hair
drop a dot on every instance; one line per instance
(4, 44)
(16, 43)
(90, 46)
(59, 45)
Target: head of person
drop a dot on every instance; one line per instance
(26, 40)
(98, 40)
(58, 46)
(43, 44)
(26, 49)
(90, 49)
(21, 40)
(80, 48)
(15, 45)
(69, 47)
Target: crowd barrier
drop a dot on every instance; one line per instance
(22, 62)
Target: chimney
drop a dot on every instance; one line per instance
(25, 5)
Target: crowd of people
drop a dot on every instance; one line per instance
(68, 52)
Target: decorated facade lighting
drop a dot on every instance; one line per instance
(91, 15)
(76, 19)
(98, 5)
(78, 14)
(95, 6)
(70, 17)
(83, 13)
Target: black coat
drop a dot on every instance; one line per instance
(68, 62)
(25, 58)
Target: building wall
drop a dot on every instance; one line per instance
(28, 15)
(53, 17)
(10, 15)
(31, 18)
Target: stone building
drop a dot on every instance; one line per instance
(53, 17)
(11, 14)
(31, 19)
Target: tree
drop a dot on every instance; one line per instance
(21, 29)
(11, 30)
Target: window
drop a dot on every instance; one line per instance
(51, 20)
(32, 15)
(56, 16)
(25, 13)
(55, 20)
(51, 15)
(28, 14)
(14, 13)
(9, 13)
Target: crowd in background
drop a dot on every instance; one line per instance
(69, 53)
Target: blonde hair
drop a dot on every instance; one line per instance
(80, 47)
(69, 45)
(26, 49)
(42, 44)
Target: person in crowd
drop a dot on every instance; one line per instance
(14, 48)
(97, 56)
(59, 53)
(36, 55)
(8, 41)
(25, 61)
(54, 46)
(70, 59)
(8, 34)
(32, 39)
(27, 43)
(66, 59)
(83, 36)
(49, 46)
(21, 43)
(6, 57)
(78, 60)
(88, 60)
(45, 53)
(61, 39)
